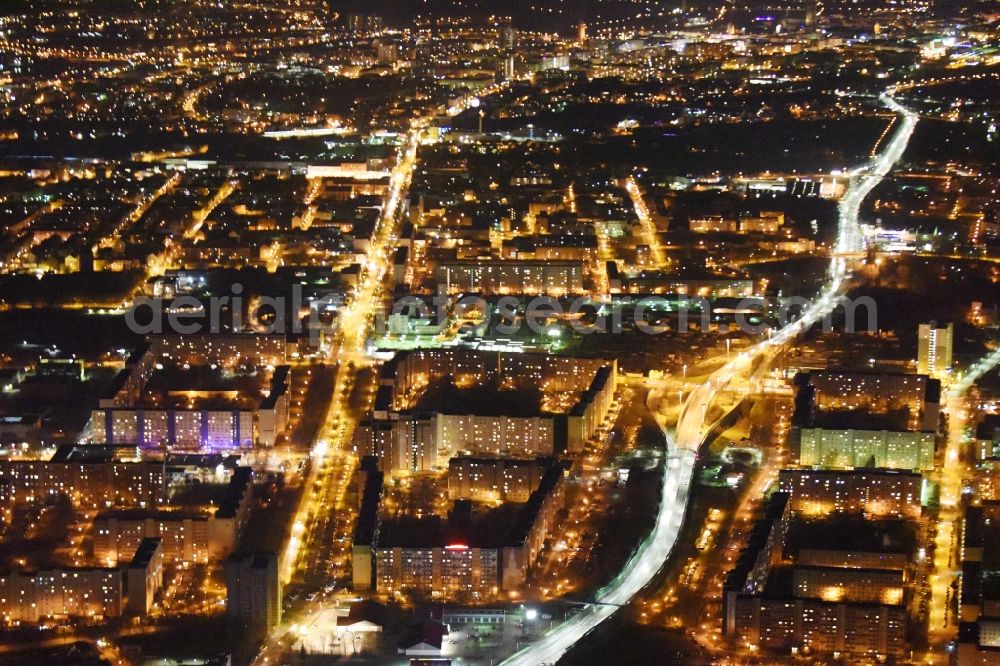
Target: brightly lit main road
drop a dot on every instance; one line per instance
(941, 621)
(692, 426)
(308, 547)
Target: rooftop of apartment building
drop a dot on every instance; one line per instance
(485, 399)
(847, 532)
(465, 526)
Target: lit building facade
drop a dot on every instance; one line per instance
(877, 493)
(122, 418)
(409, 441)
(934, 348)
(222, 349)
(62, 593)
(453, 562)
(535, 523)
(493, 479)
(175, 429)
(835, 607)
(514, 436)
(253, 591)
(185, 536)
(144, 576)
(875, 586)
(86, 480)
(448, 570)
(851, 559)
(426, 442)
(522, 276)
(871, 630)
(848, 389)
(978, 643)
(893, 449)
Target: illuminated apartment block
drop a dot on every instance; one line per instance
(450, 570)
(89, 475)
(934, 348)
(870, 630)
(987, 442)
(424, 439)
(466, 557)
(830, 447)
(192, 419)
(979, 554)
(833, 606)
(253, 592)
(849, 418)
(144, 576)
(494, 479)
(522, 276)
(185, 535)
(712, 224)
(839, 389)
(61, 593)
(978, 643)
(876, 492)
(880, 586)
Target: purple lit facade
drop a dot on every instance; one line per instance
(211, 430)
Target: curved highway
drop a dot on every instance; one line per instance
(682, 448)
